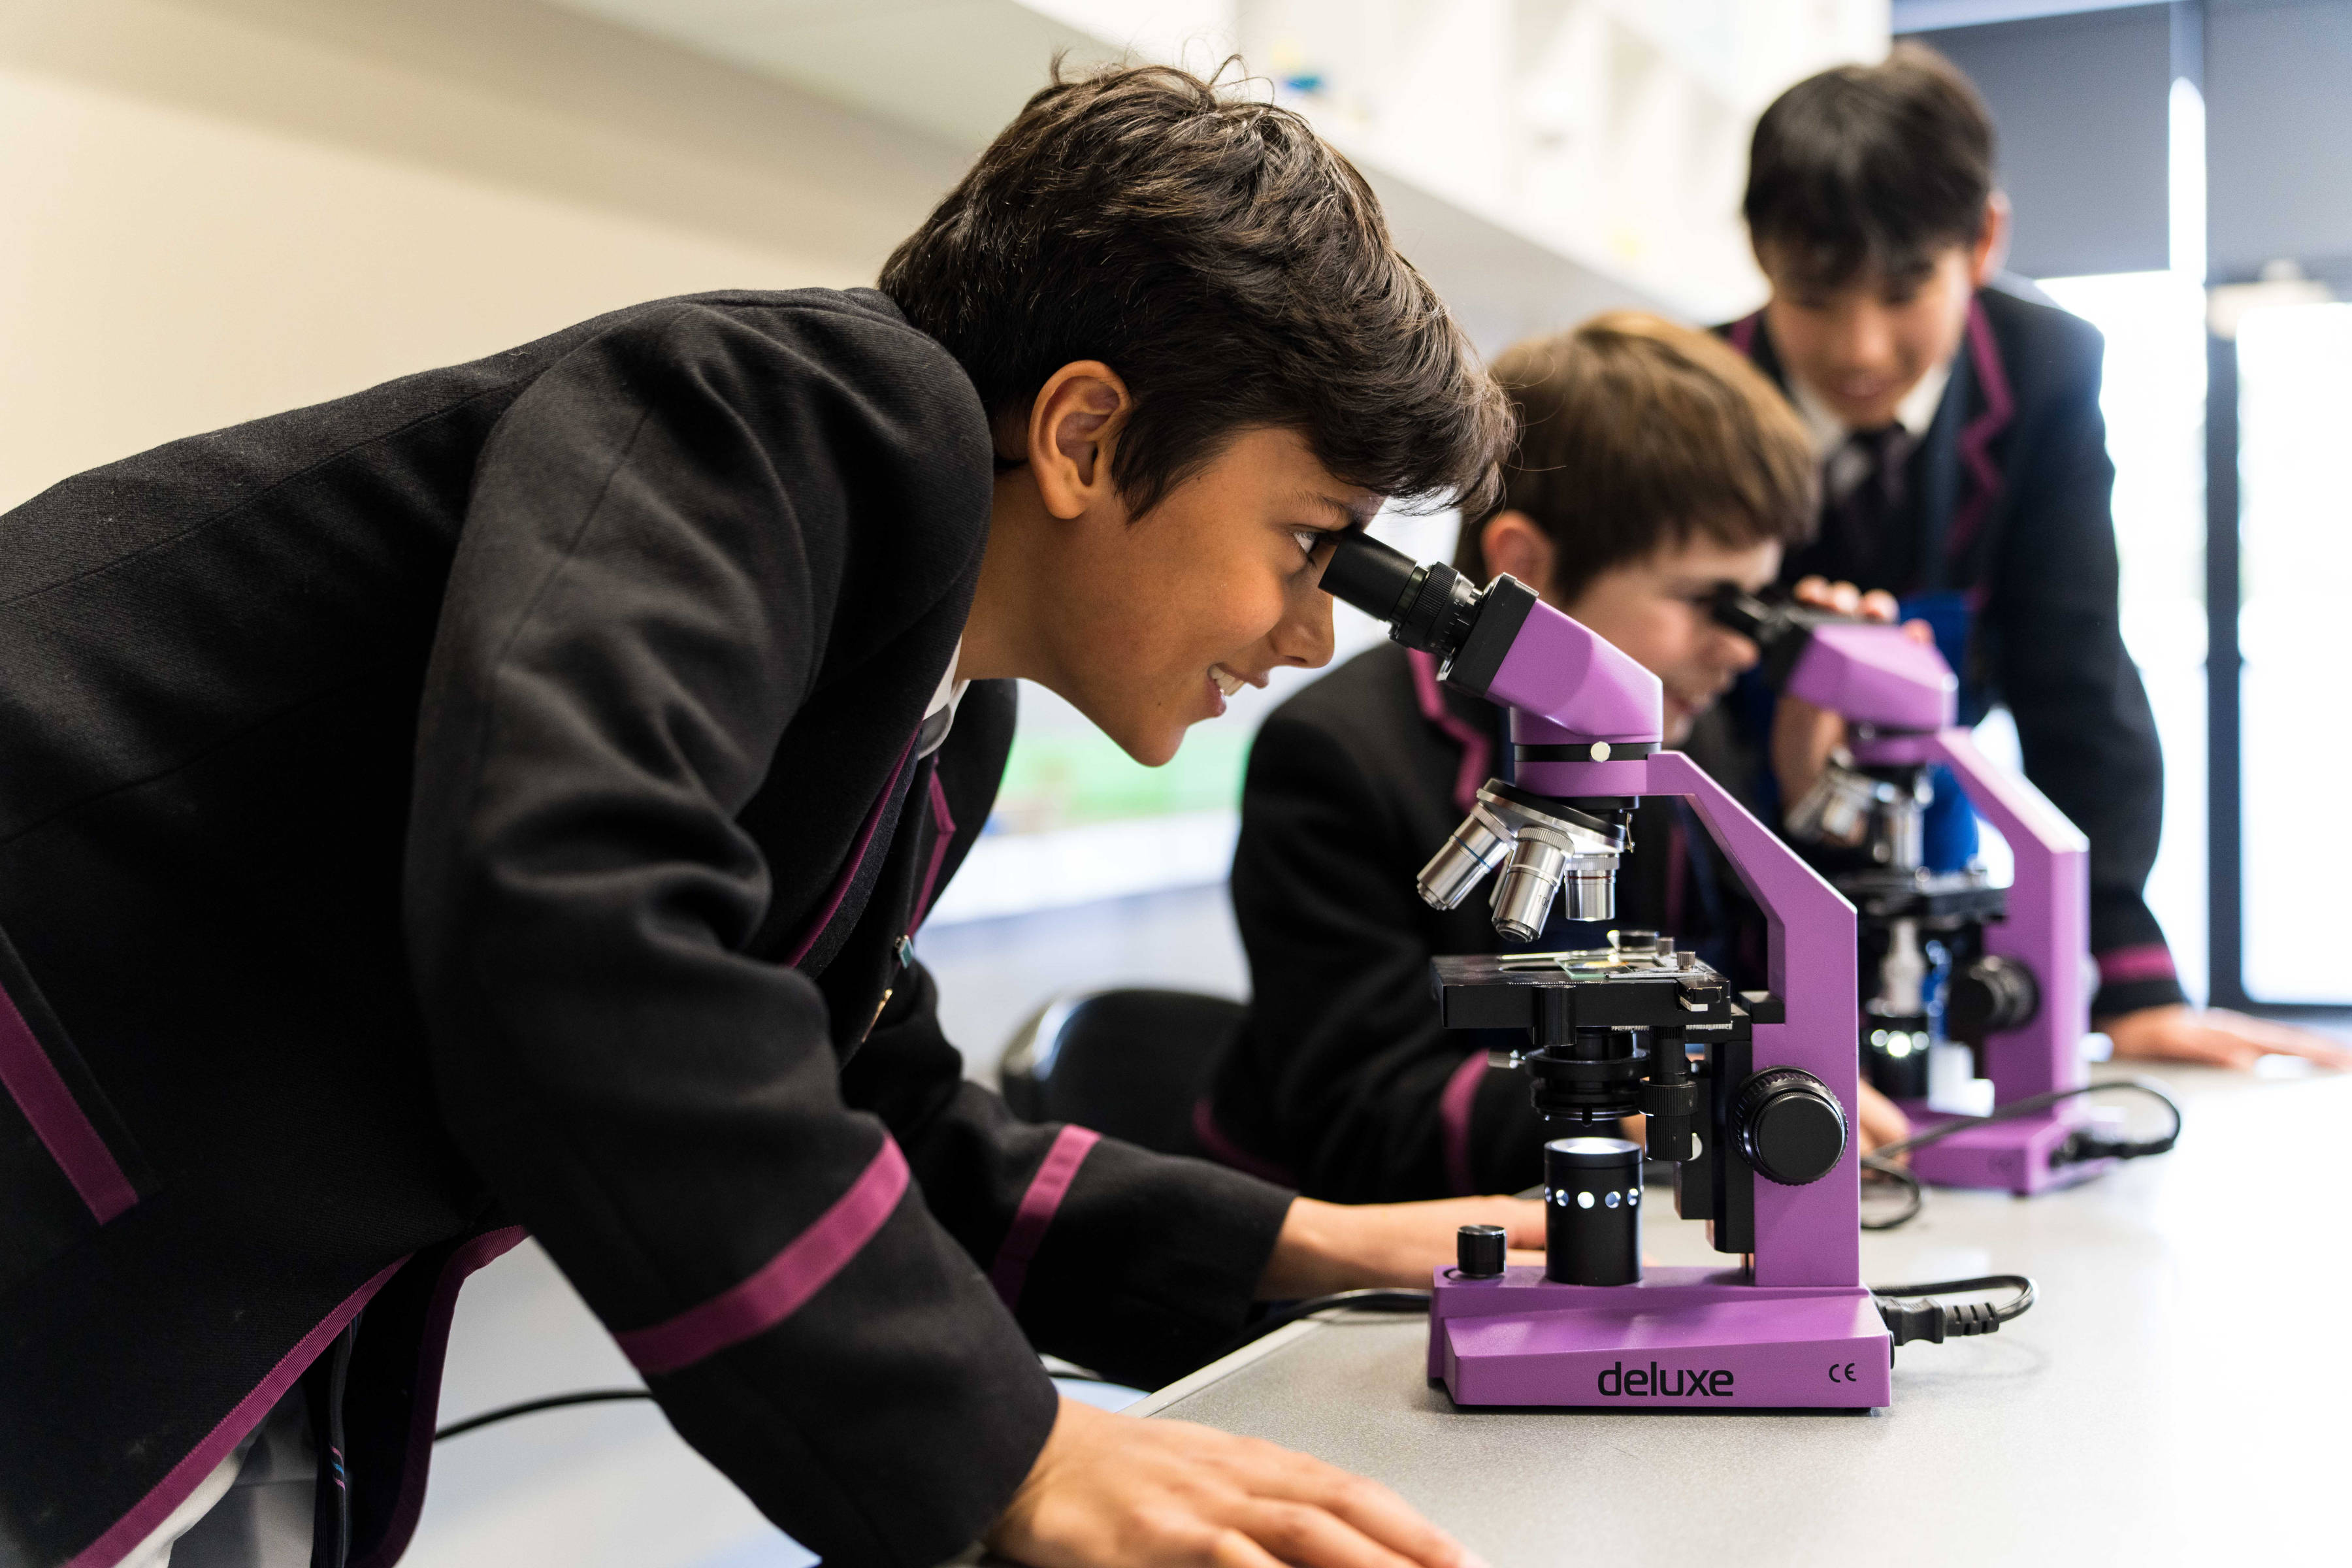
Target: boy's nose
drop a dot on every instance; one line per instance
(1305, 636)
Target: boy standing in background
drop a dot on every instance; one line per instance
(1965, 470)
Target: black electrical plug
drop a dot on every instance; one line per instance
(1908, 1317)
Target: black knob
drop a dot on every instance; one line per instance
(1479, 1251)
(1792, 1128)
(1991, 994)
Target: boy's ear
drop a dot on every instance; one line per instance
(1511, 542)
(1074, 427)
(1992, 248)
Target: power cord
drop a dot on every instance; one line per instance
(2082, 1144)
(532, 1407)
(1909, 1317)
(1915, 1196)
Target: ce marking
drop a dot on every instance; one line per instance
(1842, 1373)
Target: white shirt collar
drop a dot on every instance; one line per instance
(938, 715)
(1915, 413)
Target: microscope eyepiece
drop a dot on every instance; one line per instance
(1370, 575)
(1779, 629)
(1430, 607)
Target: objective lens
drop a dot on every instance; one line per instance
(1475, 849)
(1590, 886)
(1524, 894)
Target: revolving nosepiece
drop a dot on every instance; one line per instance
(1539, 849)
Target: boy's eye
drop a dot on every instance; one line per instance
(1307, 538)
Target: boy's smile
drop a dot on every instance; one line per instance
(1861, 345)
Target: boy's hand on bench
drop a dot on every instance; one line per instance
(1112, 1491)
(1325, 1247)
(2216, 1036)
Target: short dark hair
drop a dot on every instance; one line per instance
(1635, 435)
(1869, 170)
(1227, 263)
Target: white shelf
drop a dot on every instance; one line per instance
(1540, 160)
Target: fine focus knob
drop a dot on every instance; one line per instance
(1792, 1128)
(1479, 1251)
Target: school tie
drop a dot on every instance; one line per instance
(1866, 489)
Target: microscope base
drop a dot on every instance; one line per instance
(1682, 1339)
(2005, 1156)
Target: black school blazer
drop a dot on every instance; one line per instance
(488, 801)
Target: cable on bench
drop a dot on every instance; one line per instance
(2082, 1144)
(532, 1407)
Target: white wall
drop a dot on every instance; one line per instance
(216, 209)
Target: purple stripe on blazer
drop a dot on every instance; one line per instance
(856, 858)
(148, 1514)
(784, 1283)
(1976, 441)
(424, 1405)
(1453, 1109)
(1046, 1189)
(2149, 961)
(1225, 1151)
(943, 829)
(31, 1080)
(1477, 750)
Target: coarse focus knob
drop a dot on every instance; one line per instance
(1991, 994)
(1790, 1127)
(1480, 1251)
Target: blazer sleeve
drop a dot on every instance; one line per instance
(1375, 1100)
(637, 609)
(1136, 1264)
(2083, 717)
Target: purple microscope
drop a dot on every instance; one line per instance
(2008, 962)
(1750, 1095)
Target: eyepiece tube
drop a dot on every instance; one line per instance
(1370, 575)
(1426, 608)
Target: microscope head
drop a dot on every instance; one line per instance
(1868, 672)
(1503, 643)
(1565, 686)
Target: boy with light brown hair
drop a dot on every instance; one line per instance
(1653, 466)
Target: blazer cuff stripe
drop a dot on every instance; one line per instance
(2149, 961)
(784, 1284)
(1046, 1189)
(32, 1080)
(1453, 1109)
